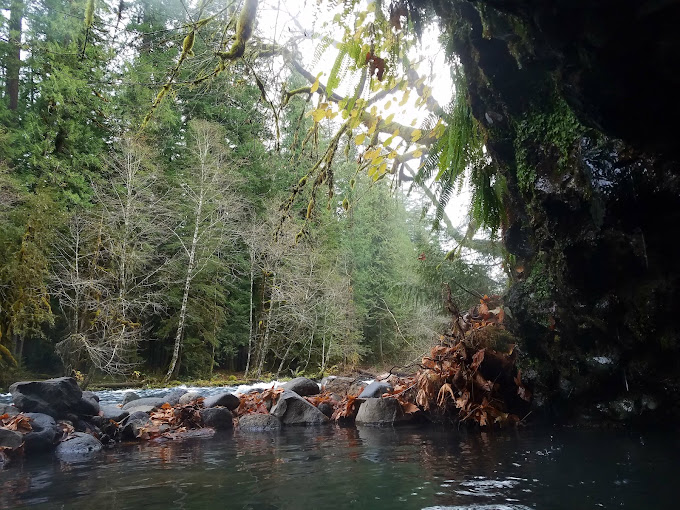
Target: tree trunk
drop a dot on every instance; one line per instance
(265, 342)
(187, 287)
(250, 318)
(13, 65)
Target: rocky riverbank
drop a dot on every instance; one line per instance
(56, 416)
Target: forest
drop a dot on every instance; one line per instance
(181, 196)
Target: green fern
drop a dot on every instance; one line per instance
(460, 150)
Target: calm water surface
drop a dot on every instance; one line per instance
(365, 468)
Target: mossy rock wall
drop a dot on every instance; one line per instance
(573, 97)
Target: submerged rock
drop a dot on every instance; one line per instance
(54, 397)
(78, 444)
(381, 411)
(219, 418)
(302, 386)
(258, 423)
(228, 400)
(375, 389)
(292, 409)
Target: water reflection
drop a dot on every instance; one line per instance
(358, 468)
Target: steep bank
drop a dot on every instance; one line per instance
(574, 98)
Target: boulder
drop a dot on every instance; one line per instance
(381, 411)
(10, 439)
(258, 423)
(292, 409)
(8, 409)
(147, 409)
(189, 397)
(115, 413)
(174, 395)
(78, 444)
(326, 408)
(89, 405)
(129, 397)
(219, 418)
(44, 435)
(147, 401)
(356, 388)
(375, 389)
(337, 385)
(228, 400)
(54, 397)
(302, 386)
(133, 425)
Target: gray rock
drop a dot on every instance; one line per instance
(8, 409)
(381, 411)
(292, 409)
(356, 388)
(133, 425)
(326, 408)
(302, 386)
(115, 413)
(147, 401)
(89, 405)
(228, 400)
(337, 385)
(189, 397)
(44, 435)
(258, 423)
(78, 445)
(91, 395)
(10, 439)
(129, 397)
(54, 397)
(173, 396)
(146, 409)
(219, 418)
(375, 389)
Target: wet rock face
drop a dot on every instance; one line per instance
(593, 187)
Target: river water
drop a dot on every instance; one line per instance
(330, 467)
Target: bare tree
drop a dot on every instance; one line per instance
(107, 267)
(213, 213)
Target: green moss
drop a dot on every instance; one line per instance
(546, 134)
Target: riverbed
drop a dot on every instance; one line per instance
(360, 468)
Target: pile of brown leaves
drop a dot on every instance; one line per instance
(170, 422)
(465, 377)
(18, 423)
(470, 376)
(258, 402)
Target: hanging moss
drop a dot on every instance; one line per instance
(244, 30)
(545, 133)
